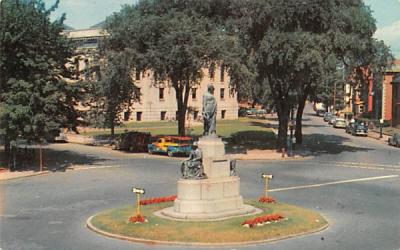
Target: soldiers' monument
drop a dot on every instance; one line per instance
(209, 188)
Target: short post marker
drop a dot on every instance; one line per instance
(266, 177)
(138, 192)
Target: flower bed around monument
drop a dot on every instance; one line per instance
(137, 219)
(157, 200)
(262, 220)
(266, 199)
(296, 221)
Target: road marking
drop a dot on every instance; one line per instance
(395, 168)
(334, 183)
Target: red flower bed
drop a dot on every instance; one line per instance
(262, 220)
(266, 199)
(158, 200)
(137, 219)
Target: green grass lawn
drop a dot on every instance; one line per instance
(299, 220)
(249, 132)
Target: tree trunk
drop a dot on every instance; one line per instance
(299, 116)
(182, 91)
(182, 121)
(283, 117)
(7, 147)
(112, 127)
(40, 157)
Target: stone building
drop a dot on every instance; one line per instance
(158, 101)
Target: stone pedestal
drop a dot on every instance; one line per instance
(215, 197)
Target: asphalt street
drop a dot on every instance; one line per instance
(353, 181)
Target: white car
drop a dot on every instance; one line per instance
(339, 123)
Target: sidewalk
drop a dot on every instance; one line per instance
(257, 154)
(376, 135)
(5, 174)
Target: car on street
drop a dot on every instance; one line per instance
(332, 120)
(131, 141)
(339, 123)
(327, 116)
(171, 145)
(251, 112)
(394, 140)
(359, 129)
(261, 113)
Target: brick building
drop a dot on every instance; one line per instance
(391, 94)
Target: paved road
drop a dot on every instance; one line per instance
(352, 181)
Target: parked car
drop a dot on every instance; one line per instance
(242, 112)
(327, 116)
(332, 120)
(171, 145)
(132, 141)
(62, 137)
(261, 113)
(251, 111)
(394, 140)
(339, 123)
(349, 126)
(359, 129)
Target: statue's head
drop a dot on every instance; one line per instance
(195, 145)
(210, 88)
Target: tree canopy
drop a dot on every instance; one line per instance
(35, 99)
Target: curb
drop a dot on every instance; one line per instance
(25, 176)
(90, 226)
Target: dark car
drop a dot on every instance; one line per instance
(395, 140)
(349, 125)
(327, 117)
(132, 141)
(359, 129)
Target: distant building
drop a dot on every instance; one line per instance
(391, 94)
(158, 101)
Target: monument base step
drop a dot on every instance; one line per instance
(170, 213)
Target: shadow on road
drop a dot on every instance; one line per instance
(53, 160)
(318, 144)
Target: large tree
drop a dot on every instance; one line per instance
(112, 91)
(33, 56)
(170, 39)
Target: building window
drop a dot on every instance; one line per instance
(127, 114)
(222, 73)
(138, 116)
(222, 93)
(194, 93)
(223, 112)
(161, 93)
(195, 115)
(137, 75)
(212, 73)
(163, 115)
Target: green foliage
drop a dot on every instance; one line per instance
(173, 39)
(33, 55)
(114, 92)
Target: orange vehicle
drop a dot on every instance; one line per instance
(171, 145)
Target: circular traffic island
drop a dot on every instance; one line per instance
(276, 221)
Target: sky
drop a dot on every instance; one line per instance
(85, 13)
